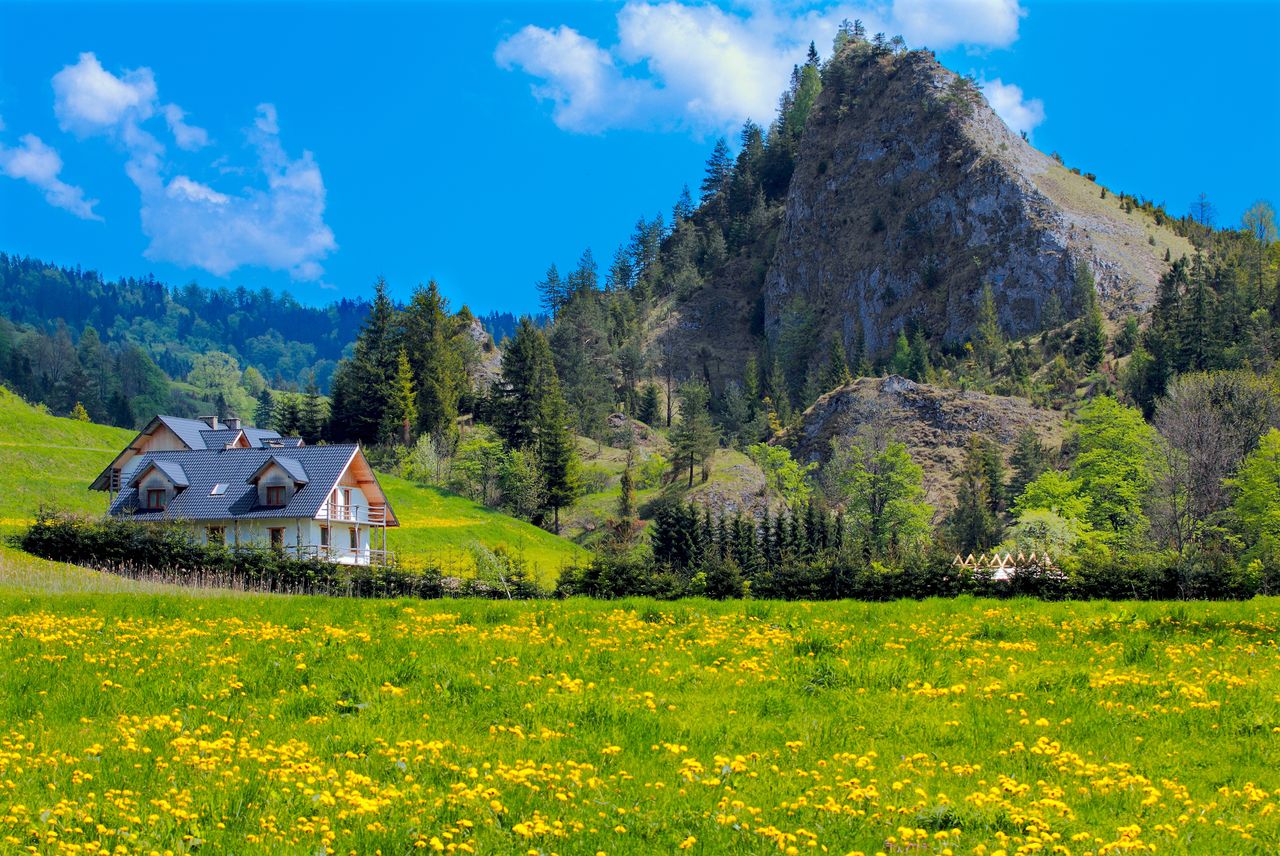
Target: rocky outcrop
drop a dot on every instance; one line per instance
(488, 367)
(935, 425)
(910, 194)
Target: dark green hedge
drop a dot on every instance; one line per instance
(1147, 576)
(168, 554)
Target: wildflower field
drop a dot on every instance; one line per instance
(168, 722)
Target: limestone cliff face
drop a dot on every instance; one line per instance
(909, 194)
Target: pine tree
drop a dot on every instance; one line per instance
(683, 208)
(1029, 459)
(555, 447)
(402, 410)
(432, 341)
(719, 169)
(918, 367)
(311, 416)
(553, 292)
(695, 437)
(988, 341)
(362, 384)
(287, 415)
(527, 373)
(621, 273)
(264, 415)
(627, 490)
(900, 362)
(972, 525)
(837, 373)
(650, 410)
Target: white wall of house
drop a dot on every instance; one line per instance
(298, 533)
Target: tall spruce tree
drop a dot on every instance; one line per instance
(695, 437)
(527, 373)
(555, 447)
(311, 415)
(264, 414)
(402, 409)
(432, 342)
(361, 385)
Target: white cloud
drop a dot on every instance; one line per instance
(187, 137)
(1007, 100)
(947, 23)
(88, 99)
(280, 226)
(580, 78)
(708, 68)
(36, 163)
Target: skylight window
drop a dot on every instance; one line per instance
(218, 490)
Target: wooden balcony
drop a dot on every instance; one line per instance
(373, 515)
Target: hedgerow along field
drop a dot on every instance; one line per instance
(235, 724)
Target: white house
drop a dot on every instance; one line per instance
(243, 486)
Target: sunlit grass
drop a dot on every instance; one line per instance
(304, 725)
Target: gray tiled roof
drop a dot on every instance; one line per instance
(172, 469)
(197, 434)
(289, 465)
(205, 468)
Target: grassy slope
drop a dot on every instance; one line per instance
(305, 725)
(441, 525)
(734, 476)
(47, 460)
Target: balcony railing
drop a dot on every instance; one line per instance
(374, 515)
(347, 555)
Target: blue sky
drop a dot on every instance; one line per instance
(314, 147)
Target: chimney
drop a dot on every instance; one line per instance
(233, 422)
(211, 421)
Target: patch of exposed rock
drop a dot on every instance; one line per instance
(488, 368)
(935, 425)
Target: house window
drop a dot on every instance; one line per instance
(324, 536)
(277, 538)
(355, 541)
(275, 494)
(218, 490)
(216, 535)
(346, 497)
(155, 498)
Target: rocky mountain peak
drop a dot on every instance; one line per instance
(910, 195)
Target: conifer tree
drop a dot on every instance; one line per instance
(1029, 459)
(900, 362)
(972, 524)
(527, 373)
(402, 409)
(555, 447)
(432, 342)
(553, 292)
(918, 367)
(988, 341)
(362, 384)
(264, 415)
(837, 372)
(719, 168)
(311, 416)
(695, 437)
(287, 415)
(650, 410)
